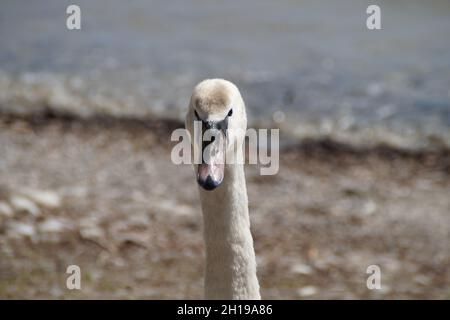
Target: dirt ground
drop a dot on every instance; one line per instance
(104, 195)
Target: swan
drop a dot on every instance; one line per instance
(230, 270)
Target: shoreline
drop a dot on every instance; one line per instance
(330, 211)
(164, 127)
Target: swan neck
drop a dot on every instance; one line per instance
(230, 271)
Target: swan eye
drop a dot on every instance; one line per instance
(230, 113)
(196, 115)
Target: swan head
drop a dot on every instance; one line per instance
(217, 109)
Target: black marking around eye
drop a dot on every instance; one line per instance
(230, 113)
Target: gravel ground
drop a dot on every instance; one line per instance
(104, 195)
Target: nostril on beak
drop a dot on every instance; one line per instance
(206, 143)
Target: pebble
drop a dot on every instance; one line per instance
(23, 204)
(369, 208)
(92, 233)
(21, 229)
(45, 198)
(90, 229)
(307, 291)
(422, 280)
(5, 210)
(53, 225)
(302, 269)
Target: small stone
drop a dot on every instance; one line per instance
(302, 269)
(90, 229)
(21, 229)
(5, 210)
(92, 233)
(45, 198)
(307, 291)
(20, 203)
(369, 208)
(422, 280)
(53, 226)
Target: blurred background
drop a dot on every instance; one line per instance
(85, 123)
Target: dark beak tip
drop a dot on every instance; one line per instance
(208, 184)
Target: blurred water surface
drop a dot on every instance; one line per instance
(309, 67)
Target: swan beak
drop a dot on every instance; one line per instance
(211, 171)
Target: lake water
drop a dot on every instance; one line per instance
(310, 68)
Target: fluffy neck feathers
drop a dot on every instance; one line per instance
(230, 271)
